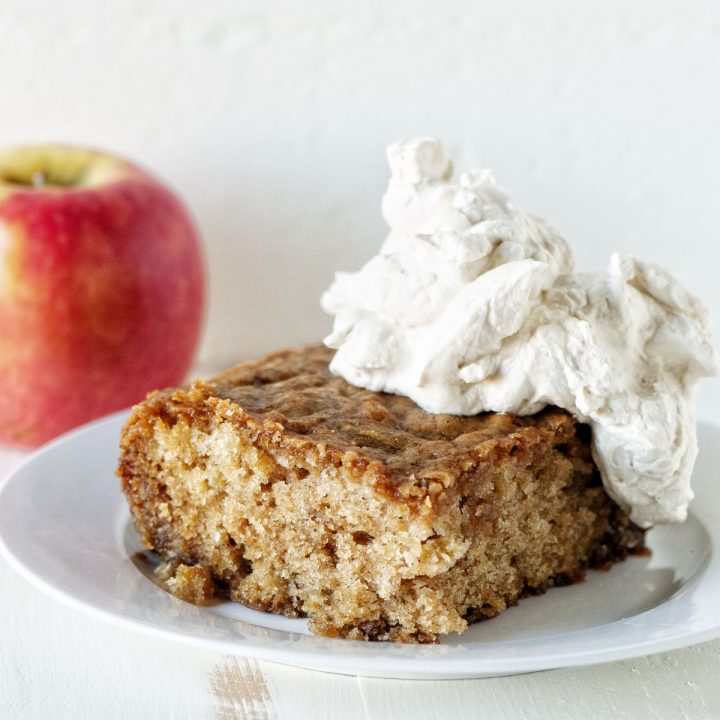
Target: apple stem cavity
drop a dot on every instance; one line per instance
(37, 179)
(56, 167)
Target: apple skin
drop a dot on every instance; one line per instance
(102, 289)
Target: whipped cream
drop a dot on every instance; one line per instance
(472, 305)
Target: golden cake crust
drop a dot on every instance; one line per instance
(293, 390)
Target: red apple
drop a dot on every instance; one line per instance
(102, 288)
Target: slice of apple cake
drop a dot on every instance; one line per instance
(281, 486)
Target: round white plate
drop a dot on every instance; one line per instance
(64, 525)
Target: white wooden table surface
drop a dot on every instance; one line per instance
(55, 662)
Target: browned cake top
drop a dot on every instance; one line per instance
(296, 389)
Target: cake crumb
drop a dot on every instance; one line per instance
(191, 583)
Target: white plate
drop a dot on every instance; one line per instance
(64, 525)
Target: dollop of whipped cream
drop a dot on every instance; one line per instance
(472, 305)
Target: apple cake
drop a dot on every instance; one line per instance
(283, 487)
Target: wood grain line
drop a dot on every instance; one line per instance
(239, 690)
(366, 713)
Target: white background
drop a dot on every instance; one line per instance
(271, 120)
